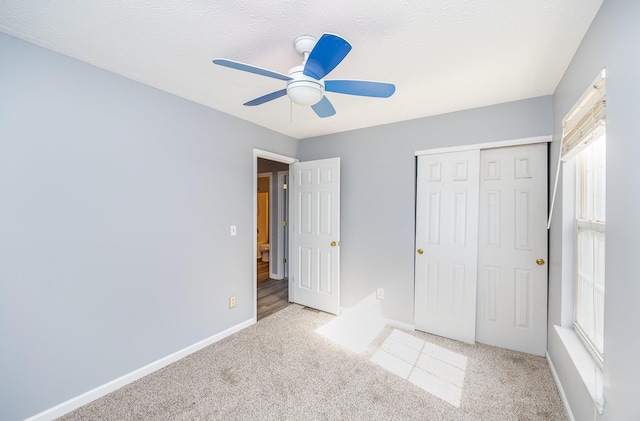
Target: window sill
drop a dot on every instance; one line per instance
(588, 369)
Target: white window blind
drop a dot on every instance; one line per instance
(586, 121)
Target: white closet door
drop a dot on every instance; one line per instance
(446, 243)
(512, 269)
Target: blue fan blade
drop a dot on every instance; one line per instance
(324, 108)
(266, 98)
(249, 68)
(360, 87)
(326, 55)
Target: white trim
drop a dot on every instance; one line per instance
(489, 145)
(409, 327)
(259, 153)
(555, 186)
(272, 156)
(591, 225)
(100, 391)
(281, 213)
(563, 395)
(589, 372)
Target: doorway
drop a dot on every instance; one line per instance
(314, 208)
(271, 249)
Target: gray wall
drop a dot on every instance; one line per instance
(378, 190)
(114, 225)
(610, 43)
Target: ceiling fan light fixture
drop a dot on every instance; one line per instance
(302, 89)
(303, 92)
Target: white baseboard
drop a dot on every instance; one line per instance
(400, 325)
(100, 391)
(563, 396)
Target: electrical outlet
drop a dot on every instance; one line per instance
(380, 294)
(232, 301)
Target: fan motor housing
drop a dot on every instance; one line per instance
(303, 89)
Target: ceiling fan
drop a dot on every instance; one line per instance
(306, 84)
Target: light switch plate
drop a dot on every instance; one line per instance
(233, 230)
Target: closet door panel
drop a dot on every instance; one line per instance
(512, 286)
(446, 244)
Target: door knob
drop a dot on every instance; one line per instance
(420, 251)
(333, 244)
(540, 262)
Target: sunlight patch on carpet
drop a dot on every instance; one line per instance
(356, 328)
(432, 368)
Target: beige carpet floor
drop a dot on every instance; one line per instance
(281, 368)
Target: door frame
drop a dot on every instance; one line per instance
(272, 156)
(488, 145)
(283, 215)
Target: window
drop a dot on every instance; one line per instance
(584, 143)
(590, 244)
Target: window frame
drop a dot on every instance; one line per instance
(595, 226)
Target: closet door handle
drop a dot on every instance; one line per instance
(420, 251)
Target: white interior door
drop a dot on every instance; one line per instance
(446, 243)
(314, 277)
(512, 281)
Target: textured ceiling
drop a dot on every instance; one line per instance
(442, 55)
